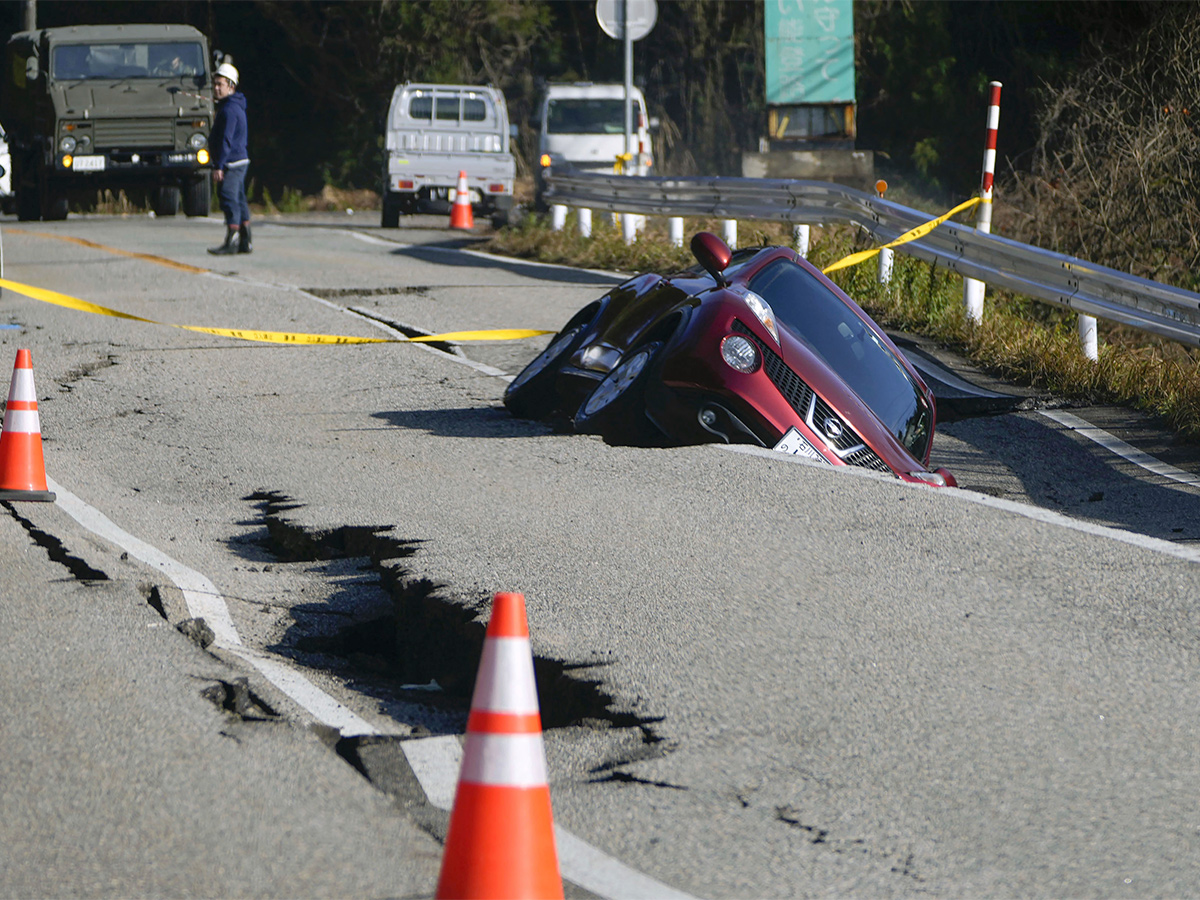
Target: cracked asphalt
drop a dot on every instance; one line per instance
(847, 686)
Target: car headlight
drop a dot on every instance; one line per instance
(198, 140)
(762, 310)
(67, 144)
(739, 353)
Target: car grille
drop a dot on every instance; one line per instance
(134, 134)
(797, 393)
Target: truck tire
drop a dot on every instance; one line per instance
(29, 208)
(197, 196)
(55, 209)
(391, 213)
(166, 200)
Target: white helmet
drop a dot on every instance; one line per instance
(227, 71)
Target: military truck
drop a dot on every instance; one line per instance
(435, 131)
(119, 107)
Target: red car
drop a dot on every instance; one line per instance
(753, 347)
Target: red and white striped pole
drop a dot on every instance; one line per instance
(972, 289)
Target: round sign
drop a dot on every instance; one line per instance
(640, 14)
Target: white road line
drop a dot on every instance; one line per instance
(1115, 445)
(434, 761)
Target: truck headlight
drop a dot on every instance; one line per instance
(198, 140)
(67, 144)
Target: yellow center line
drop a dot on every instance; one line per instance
(83, 242)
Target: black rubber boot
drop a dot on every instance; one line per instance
(244, 245)
(230, 245)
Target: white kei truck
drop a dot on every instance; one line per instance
(435, 131)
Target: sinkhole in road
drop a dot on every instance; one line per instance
(423, 635)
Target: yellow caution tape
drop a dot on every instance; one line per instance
(918, 232)
(268, 337)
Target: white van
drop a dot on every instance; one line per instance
(583, 124)
(433, 132)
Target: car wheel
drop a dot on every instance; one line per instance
(533, 394)
(616, 408)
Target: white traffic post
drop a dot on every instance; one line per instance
(629, 227)
(800, 239)
(585, 223)
(1087, 337)
(675, 228)
(972, 289)
(886, 254)
(729, 232)
(558, 216)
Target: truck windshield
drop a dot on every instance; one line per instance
(579, 116)
(71, 62)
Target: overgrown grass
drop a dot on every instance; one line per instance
(1021, 340)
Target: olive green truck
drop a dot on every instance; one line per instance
(90, 108)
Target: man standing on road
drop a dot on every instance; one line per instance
(231, 160)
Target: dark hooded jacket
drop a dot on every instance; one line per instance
(229, 133)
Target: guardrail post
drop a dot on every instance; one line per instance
(1087, 337)
(629, 227)
(800, 239)
(885, 265)
(972, 289)
(585, 223)
(558, 216)
(675, 226)
(729, 232)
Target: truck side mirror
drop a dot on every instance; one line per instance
(655, 124)
(32, 69)
(513, 131)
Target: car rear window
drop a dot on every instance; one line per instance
(842, 339)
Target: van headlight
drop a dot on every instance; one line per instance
(67, 144)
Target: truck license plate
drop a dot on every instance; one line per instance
(94, 163)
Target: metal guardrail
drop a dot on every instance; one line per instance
(1052, 277)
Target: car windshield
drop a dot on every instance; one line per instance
(833, 331)
(139, 59)
(579, 116)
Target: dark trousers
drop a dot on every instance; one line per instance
(232, 196)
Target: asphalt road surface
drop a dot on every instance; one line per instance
(759, 678)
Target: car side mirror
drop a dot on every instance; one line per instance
(713, 254)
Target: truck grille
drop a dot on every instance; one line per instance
(134, 133)
(799, 395)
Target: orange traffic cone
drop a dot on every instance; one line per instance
(460, 213)
(22, 468)
(501, 838)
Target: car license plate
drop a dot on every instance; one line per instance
(94, 163)
(796, 444)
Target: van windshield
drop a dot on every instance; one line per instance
(580, 116)
(72, 62)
